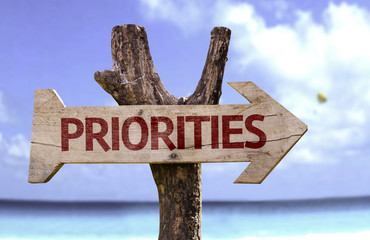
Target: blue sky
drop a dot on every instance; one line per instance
(291, 49)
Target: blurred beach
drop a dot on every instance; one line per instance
(271, 220)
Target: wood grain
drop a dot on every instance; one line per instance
(176, 170)
(133, 80)
(282, 130)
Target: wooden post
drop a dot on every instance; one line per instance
(133, 80)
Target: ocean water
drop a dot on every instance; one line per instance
(308, 219)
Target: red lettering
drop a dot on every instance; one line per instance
(90, 135)
(155, 134)
(115, 133)
(180, 132)
(256, 131)
(227, 131)
(65, 133)
(197, 128)
(214, 132)
(144, 133)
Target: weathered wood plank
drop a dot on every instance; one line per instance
(163, 134)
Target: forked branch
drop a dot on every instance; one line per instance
(133, 80)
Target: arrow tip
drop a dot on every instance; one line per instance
(41, 171)
(282, 120)
(47, 98)
(250, 91)
(256, 172)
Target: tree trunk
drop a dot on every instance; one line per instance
(133, 80)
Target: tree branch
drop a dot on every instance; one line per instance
(208, 91)
(133, 80)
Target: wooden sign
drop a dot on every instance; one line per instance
(261, 133)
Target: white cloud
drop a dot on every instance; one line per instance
(186, 14)
(306, 58)
(19, 146)
(281, 7)
(299, 60)
(15, 149)
(14, 158)
(277, 7)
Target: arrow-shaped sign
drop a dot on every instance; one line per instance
(261, 133)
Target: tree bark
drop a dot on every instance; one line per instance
(133, 80)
